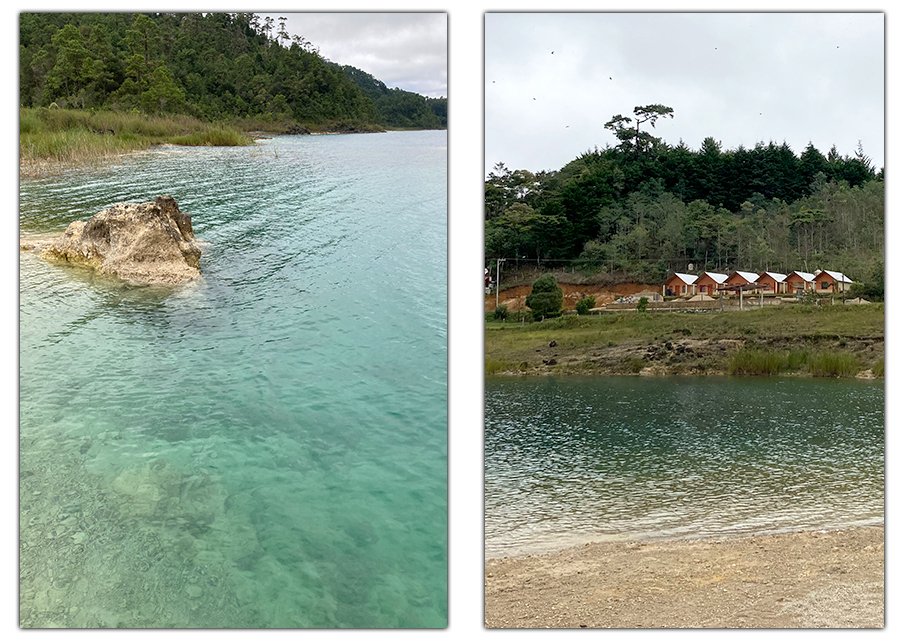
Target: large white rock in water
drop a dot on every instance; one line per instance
(142, 243)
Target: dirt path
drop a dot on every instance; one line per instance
(799, 580)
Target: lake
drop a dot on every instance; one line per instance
(265, 447)
(573, 460)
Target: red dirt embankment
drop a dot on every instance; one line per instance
(514, 297)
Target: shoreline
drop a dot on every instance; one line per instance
(45, 167)
(630, 539)
(806, 579)
(825, 342)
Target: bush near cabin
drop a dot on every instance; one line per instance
(546, 297)
(585, 305)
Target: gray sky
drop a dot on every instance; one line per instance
(553, 80)
(403, 50)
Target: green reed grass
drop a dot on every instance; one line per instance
(70, 137)
(834, 365)
(766, 362)
(492, 366)
(218, 137)
(758, 362)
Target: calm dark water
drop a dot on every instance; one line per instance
(275, 434)
(574, 460)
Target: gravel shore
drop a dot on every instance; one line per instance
(829, 579)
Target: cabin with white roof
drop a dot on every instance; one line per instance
(680, 285)
(709, 282)
(798, 282)
(740, 278)
(831, 282)
(773, 282)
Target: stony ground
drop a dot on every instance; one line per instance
(678, 356)
(799, 580)
(85, 561)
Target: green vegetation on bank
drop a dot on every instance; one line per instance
(838, 340)
(644, 208)
(753, 361)
(64, 137)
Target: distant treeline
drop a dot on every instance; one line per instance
(646, 208)
(214, 66)
(398, 108)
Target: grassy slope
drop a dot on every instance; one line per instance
(675, 343)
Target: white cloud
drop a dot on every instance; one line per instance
(403, 50)
(739, 78)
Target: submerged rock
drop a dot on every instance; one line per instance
(148, 243)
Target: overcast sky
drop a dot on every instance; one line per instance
(553, 80)
(403, 50)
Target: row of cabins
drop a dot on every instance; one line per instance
(793, 283)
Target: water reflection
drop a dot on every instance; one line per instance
(583, 459)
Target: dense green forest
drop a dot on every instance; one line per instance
(399, 108)
(213, 66)
(645, 208)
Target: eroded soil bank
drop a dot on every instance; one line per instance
(678, 356)
(514, 297)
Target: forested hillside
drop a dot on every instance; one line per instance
(645, 208)
(214, 66)
(399, 108)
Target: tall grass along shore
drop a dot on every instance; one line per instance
(830, 341)
(51, 139)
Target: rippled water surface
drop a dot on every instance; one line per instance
(266, 447)
(574, 460)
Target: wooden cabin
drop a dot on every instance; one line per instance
(773, 282)
(709, 282)
(827, 282)
(740, 278)
(797, 282)
(680, 285)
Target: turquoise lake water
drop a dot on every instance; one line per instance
(266, 447)
(573, 460)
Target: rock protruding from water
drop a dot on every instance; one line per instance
(148, 243)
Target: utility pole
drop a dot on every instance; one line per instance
(497, 304)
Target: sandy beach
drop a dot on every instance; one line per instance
(814, 579)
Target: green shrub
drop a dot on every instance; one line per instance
(642, 304)
(546, 297)
(878, 369)
(585, 305)
(634, 365)
(501, 312)
(811, 297)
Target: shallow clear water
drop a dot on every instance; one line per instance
(266, 447)
(574, 460)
